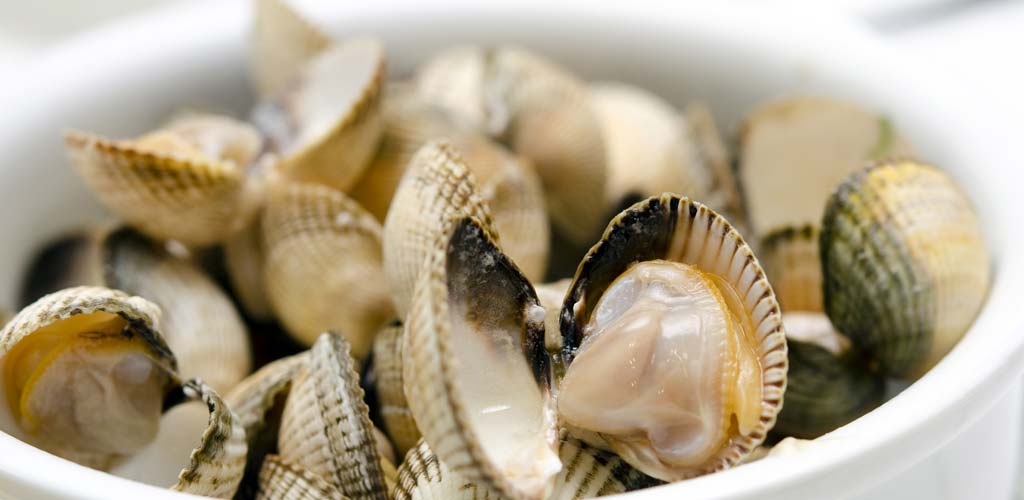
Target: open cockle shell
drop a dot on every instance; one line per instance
(436, 187)
(477, 376)
(792, 261)
(282, 42)
(324, 265)
(905, 264)
(671, 275)
(216, 466)
(648, 146)
(186, 182)
(793, 152)
(326, 124)
(85, 373)
(281, 480)
(394, 409)
(326, 425)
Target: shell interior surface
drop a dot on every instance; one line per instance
(792, 261)
(324, 265)
(282, 42)
(905, 264)
(672, 276)
(86, 373)
(326, 125)
(793, 152)
(477, 375)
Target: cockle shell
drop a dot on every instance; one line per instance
(793, 152)
(280, 480)
(711, 150)
(324, 266)
(216, 467)
(476, 372)
(326, 425)
(454, 79)
(436, 187)
(244, 262)
(185, 182)
(669, 259)
(394, 409)
(905, 264)
(282, 43)
(326, 124)
(792, 261)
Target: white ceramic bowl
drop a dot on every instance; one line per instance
(125, 78)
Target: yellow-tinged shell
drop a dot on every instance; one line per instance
(185, 182)
(326, 425)
(216, 466)
(282, 42)
(244, 262)
(905, 264)
(436, 187)
(394, 409)
(326, 124)
(671, 275)
(793, 152)
(648, 146)
(324, 268)
(476, 372)
(792, 261)
(86, 333)
(281, 480)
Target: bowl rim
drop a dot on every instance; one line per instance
(955, 393)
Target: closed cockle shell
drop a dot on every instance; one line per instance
(282, 41)
(186, 182)
(714, 155)
(904, 262)
(394, 409)
(793, 152)
(324, 265)
(325, 125)
(792, 261)
(436, 186)
(672, 276)
(244, 262)
(282, 480)
(326, 425)
(476, 372)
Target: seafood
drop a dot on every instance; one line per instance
(323, 265)
(280, 479)
(394, 409)
(476, 372)
(671, 275)
(904, 262)
(187, 181)
(282, 42)
(244, 261)
(792, 261)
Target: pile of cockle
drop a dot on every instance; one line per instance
(403, 231)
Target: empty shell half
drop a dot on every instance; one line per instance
(282, 43)
(674, 286)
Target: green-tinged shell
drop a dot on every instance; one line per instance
(476, 372)
(436, 187)
(216, 466)
(280, 480)
(185, 182)
(90, 334)
(394, 409)
(326, 425)
(792, 261)
(711, 150)
(711, 275)
(793, 152)
(905, 264)
(282, 41)
(326, 123)
(829, 385)
(648, 146)
(324, 265)
(244, 262)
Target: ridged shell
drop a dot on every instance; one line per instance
(324, 265)
(282, 42)
(164, 184)
(905, 265)
(199, 321)
(326, 125)
(326, 425)
(394, 409)
(475, 362)
(648, 146)
(280, 480)
(677, 229)
(243, 259)
(711, 150)
(436, 187)
(588, 473)
(140, 318)
(828, 385)
(792, 261)
(216, 467)
(794, 152)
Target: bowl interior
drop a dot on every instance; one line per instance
(126, 79)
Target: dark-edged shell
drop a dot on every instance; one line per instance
(792, 261)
